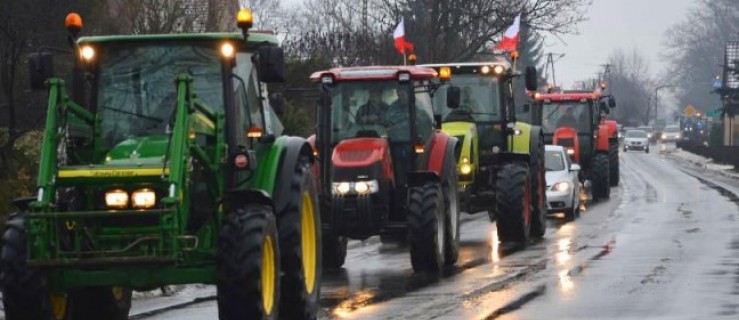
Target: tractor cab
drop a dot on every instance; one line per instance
(378, 152)
(575, 120)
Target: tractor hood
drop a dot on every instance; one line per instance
(460, 130)
(138, 150)
(362, 158)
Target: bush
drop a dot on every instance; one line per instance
(21, 172)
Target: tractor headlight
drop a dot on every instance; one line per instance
(359, 187)
(143, 198)
(562, 186)
(116, 199)
(465, 169)
(341, 188)
(366, 187)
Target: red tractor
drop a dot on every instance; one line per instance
(574, 120)
(384, 167)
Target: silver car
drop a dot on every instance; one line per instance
(636, 140)
(563, 185)
(670, 133)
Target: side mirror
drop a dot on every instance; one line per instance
(271, 64)
(40, 69)
(611, 102)
(531, 78)
(453, 97)
(575, 167)
(277, 103)
(604, 108)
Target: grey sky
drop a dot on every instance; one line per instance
(613, 24)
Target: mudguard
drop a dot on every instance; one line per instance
(521, 143)
(612, 128)
(294, 148)
(603, 135)
(439, 146)
(561, 135)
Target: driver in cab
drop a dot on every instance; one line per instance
(372, 111)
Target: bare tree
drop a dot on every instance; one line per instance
(631, 84)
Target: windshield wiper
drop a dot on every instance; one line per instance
(157, 120)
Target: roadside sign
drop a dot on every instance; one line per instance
(690, 110)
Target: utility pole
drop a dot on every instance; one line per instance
(550, 65)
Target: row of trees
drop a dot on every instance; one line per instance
(316, 34)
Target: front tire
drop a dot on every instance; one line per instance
(25, 294)
(248, 267)
(452, 215)
(299, 228)
(613, 164)
(601, 174)
(513, 204)
(426, 227)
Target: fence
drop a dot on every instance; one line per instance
(720, 154)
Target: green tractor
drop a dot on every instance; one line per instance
(500, 159)
(165, 165)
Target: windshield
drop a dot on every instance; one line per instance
(137, 93)
(575, 115)
(554, 161)
(672, 129)
(378, 109)
(480, 99)
(636, 134)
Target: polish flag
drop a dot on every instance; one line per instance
(510, 37)
(399, 35)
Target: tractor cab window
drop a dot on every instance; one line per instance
(377, 109)
(480, 99)
(136, 88)
(574, 115)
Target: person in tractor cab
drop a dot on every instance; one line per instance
(468, 101)
(567, 119)
(372, 111)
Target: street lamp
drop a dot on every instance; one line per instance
(656, 99)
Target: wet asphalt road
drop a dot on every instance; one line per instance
(665, 246)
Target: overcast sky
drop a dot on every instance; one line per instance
(614, 24)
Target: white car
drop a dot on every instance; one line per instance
(636, 140)
(563, 185)
(670, 133)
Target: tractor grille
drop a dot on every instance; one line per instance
(567, 143)
(354, 155)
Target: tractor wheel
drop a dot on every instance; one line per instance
(601, 174)
(334, 251)
(451, 214)
(426, 225)
(299, 228)
(25, 295)
(248, 270)
(513, 201)
(613, 164)
(538, 193)
(100, 303)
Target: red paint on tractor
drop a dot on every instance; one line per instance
(438, 150)
(567, 133)
(603, 135)
(363, 152)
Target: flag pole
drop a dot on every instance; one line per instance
(405, 62)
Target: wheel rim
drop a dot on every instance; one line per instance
(527, 204)
(117, 293)
(268, 275)
(439, 231)
(308, 243)
(58, 306)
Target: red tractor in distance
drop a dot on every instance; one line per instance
(383, 167)
(573, 119)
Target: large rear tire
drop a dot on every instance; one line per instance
(451, 213)
(513, 204)
(538, 193)
(25, 294)
(334, 251)
(613, 164)
(426, 227)
(299, 229)
(248, 270)
(601, 174)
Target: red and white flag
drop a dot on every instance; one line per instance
(401, 44)
(510, 37)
